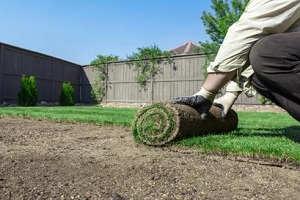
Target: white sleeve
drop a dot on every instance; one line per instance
(261, 18)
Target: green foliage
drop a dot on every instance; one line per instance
(28, 95)
(265, 101)
(67, 95)
(225, 14)
(146, 62)
(101, 63)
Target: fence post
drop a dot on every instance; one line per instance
(152, 90)
(53, 81)
(106, 81)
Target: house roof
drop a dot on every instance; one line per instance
(187, 48)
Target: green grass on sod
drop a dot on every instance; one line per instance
(271, 135)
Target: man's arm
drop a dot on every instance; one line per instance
(215, 81)
(261, 18)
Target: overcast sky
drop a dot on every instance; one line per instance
(78, 30)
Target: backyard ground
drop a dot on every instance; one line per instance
(52, 160)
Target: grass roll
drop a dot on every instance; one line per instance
(161, 123)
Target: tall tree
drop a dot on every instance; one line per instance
(217, 23)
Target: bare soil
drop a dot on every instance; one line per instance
(54, 160)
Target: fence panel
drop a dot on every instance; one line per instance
(121, 84)
(181, 78)
(87, 79)
(48, 71)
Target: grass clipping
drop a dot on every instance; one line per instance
(161, 123)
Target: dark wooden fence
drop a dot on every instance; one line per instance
(49, 72)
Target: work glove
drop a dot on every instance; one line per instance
(202, 101)
(226, 101)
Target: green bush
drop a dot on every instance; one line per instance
(67, 95)
(265, 101)
(28, 95)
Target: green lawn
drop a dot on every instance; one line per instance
(89, 114)
(271, 135)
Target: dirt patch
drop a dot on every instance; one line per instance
(51, 160)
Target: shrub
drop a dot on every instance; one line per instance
(265, 101)
(28, 95)
(67, 95)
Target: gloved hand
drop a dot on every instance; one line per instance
(226, 101)
(202, 100)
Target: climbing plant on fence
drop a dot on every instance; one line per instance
(146, 62)
(101, 63)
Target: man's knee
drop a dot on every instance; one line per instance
(258, 54)
(275, 51)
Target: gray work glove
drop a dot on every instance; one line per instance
(226, 101)
(202, 101)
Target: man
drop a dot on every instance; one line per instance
(261, 51)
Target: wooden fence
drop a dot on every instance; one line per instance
(181, 78)
(49, 72)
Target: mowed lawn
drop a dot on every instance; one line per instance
(268, 135)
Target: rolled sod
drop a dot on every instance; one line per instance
(161, 123)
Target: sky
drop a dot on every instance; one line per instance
(79, 30)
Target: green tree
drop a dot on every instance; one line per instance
(217, 23)
(101, 63)
(67, 95)
(28, 95)
(146, 62)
